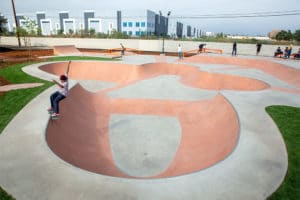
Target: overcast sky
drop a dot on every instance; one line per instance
(178, 8)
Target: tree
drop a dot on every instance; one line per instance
(25, 36)
(297, 35)
(284, 35)
(220, 35)
(3, 22)
(29, 27)
(71, 31)
(115, 34)
(92, 32)
(39, 31)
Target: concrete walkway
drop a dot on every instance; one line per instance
(253, 170)
(6, 88)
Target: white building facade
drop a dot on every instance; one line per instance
(139, 26)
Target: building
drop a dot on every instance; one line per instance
(63, 15)
(46, 26)
(189, 31)
(147, 23)
(179, 29)
(95, 24)
(119, 21)
(208, 33)
(39, 17)
(108, 25)
(139, 26)
(88, 14)
(273, 33)
(69, 26)
(161, 25)
(20, 18)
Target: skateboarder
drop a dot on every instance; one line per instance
(201, 48)
(59, 95)
(123, 49)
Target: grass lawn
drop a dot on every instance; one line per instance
(13, 101)
(5, 196)
(288, 121)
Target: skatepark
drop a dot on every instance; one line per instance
(153, 127)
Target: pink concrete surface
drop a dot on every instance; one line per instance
(126, 74)
(280, 71)
(65, 50)
(72, 50)
(209, 127)
(81, 135)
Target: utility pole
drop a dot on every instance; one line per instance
(166, 23)
(16, 21)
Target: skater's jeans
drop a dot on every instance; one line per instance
(55, 98)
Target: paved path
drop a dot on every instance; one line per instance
(6, 88)
(253, 170)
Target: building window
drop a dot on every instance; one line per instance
(124, 24)
(143, 24)
(137, 33)
(137, 24)
(129, 24)
(130, 33)
(125, 32)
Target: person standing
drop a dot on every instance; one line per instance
(122, 49)
(290, 48)
(179, 50)
(234, 49)
(286, 52)
(258, 47)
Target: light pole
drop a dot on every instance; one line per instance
(166, 23)
(17, 25)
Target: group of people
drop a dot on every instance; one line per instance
(234, 48)
(287, 52)
(180, 54)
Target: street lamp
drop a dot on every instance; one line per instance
(166, 22)
(16, 21)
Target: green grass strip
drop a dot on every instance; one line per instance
(13, 101)
(287, 120)
(5, 196)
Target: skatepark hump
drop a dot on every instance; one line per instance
(199, 133)
(66, 50)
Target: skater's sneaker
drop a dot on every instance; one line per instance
(55, 116)
(50, 111)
